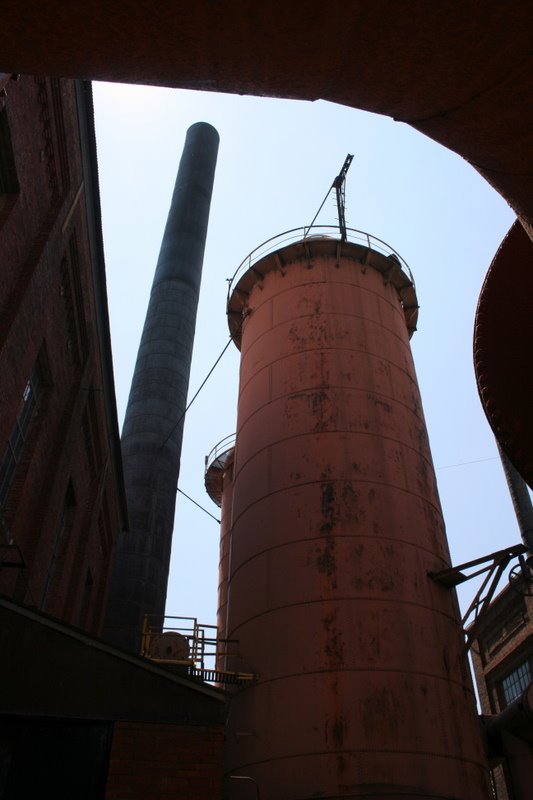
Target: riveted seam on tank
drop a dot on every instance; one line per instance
(327, 671)
(268, 332)
(396, 307)
(323, 350)
(329, 349)
(412, 381)
(443, 559)
(268, 446)
(445, 562)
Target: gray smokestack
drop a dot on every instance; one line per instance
(521, 501)
(151, 437)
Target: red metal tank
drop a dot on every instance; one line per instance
(219, 486)
(363, 687)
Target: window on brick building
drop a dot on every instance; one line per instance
(516, 682)
(72, 293)
(91, 436)
(58, 553)
(8, 174)
(18, 438)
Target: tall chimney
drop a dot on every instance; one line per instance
(153, 426)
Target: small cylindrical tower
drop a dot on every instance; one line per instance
(153, 426)
(363, 687)
(219, 486)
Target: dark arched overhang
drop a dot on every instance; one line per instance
(458, 72)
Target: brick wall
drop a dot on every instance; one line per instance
(165, 762)
(61, 508)
(505, 641)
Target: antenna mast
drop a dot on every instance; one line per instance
(339, 185)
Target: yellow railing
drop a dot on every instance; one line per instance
(184, 642)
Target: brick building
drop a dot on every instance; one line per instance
(502, 656)
(81, 718)
(61, 492)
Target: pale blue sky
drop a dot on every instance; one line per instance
(276, 161)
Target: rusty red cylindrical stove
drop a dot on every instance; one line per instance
(219, 486)
(363, 688)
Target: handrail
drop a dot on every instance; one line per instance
(219, 449)
(201, 645)
(301, 234)
(204, 653)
